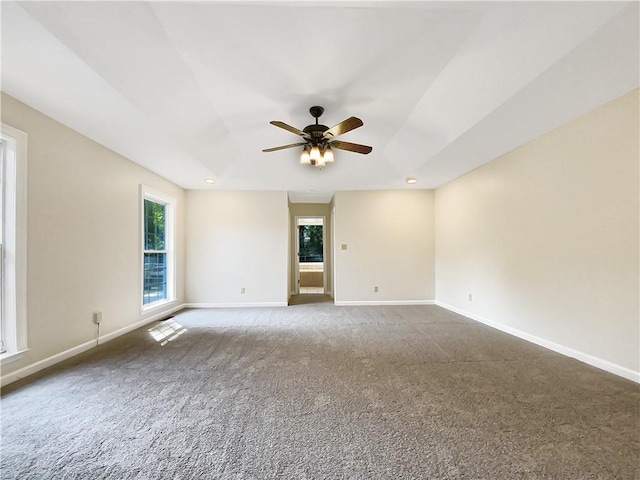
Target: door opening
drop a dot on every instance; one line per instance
(310, 256)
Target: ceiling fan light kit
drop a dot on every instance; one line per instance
(319, 139)
(316, 156)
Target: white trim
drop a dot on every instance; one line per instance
(605, 365)
(325, 259)
(14, 253)
(171, 206)
(236, 305)
(156, 195)
(296, 256)
(157, 306)
(47, 362)
(297, 245)
(59, 357)
(332, 252)
(7, 358)
(345, 303)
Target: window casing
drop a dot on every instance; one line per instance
(158, 231)
(13, 240)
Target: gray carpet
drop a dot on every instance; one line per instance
(316, 391)
(310, 298)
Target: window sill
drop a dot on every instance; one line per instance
(10, 357)
(152, 307)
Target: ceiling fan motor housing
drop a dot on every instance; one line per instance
(316, 132)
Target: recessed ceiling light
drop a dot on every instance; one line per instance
(209, 180)
(411, 180)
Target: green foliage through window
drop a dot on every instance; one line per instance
(155, 255)
(154, 225)
(310, 237)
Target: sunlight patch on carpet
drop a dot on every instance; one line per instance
(167, 331)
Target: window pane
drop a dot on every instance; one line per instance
(154, 225)
(155, 277)
(310, 237)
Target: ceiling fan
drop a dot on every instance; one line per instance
(319, 139)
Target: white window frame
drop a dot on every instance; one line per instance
(170, 203)
(14, 243)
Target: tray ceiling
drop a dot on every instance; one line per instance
(187, 89)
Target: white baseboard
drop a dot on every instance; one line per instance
(569, 352)
(130, 328)
(344, 303)
(59, 357)
(236, 305)
(47, 362)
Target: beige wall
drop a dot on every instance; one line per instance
(545, 239)
(311, 210)
(235, 240)
(390, 244)
(83, 236)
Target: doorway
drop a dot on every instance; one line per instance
(310, 256)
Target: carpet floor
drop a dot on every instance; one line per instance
(315, 391)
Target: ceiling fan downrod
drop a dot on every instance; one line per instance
(316, 112)
(316, 132)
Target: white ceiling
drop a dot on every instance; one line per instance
(187, 89)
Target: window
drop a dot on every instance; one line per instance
(13, 243)
(310, 238)
(157, 249)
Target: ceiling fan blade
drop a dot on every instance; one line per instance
(343, 127)
(352, 147)
(283, 147)
(290, 128)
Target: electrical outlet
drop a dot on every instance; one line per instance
(375, 289)
(242, 290)
(470, 297)
(343, 246)
(97, 318)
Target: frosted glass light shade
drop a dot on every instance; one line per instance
(314, 154)
(304, 158)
